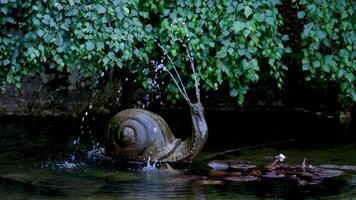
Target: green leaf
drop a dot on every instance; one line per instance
(260, 17)
(305, 61)
(233, 92)
(248, 11)
(270, 20)
(301, 14)
(6, 62)
(89, 45)
(39, 32)
(100, 45)
(306, 67)
(64, 27)
(100, 9)
(106, 61)
(72, 12)
(238, 26)
(46, 19)
(148, 28)
(350, 77)
(126, 10)
(344, 53)
(316, 64)
(285, 38)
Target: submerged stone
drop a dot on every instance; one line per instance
(241, 179)
(243, 167)
(219, 165)
(211, 182)
(273, 175)
(320, 174)
(217, 173)
(342, 167)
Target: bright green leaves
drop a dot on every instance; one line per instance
(328, 39)
(39, 32)
(248, 11)
(301, 14)
(89, 45)
(228, 41)
(285, 38)
(63, 35)
(100, 9)
(238, 26)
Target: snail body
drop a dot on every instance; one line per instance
(139, 135)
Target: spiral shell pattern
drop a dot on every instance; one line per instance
(136, 134)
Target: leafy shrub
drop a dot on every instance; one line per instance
(232, 41)
(329, 43)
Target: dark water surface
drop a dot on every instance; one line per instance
(38, 160)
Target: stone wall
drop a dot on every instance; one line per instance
(56, 95)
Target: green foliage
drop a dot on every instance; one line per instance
(329, 43)
(231, 41)
(63, 36)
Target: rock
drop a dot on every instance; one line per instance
(255, 172)
(217, 173)
(55, 95)
(234, 174)
(343, 167)
(219, 165)
(273, 175)
(211, 182)
(320, 174)
(241, 179)
(190, 178)
(243, 167)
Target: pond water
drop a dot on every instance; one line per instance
(38, 160)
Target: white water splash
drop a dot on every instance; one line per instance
(97, 153)
(67, 165)
(70, 163)
(150, 167)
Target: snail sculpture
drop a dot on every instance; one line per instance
(139, 135)
(136, 135)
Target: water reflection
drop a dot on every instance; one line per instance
(38, 161)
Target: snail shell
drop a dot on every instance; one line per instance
(136, 134)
